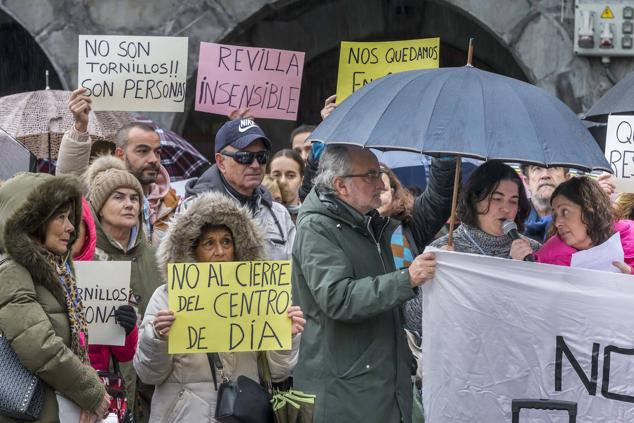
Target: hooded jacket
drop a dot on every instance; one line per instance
(184, 383)
(33, 313)
(556, 251)
(354, 356)
(274, 219)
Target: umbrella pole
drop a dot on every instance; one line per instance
(454, 201)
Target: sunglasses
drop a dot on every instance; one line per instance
(247, 157)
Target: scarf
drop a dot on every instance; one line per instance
(537, 227)
(156, 193)
(468, 239)
(74, 307)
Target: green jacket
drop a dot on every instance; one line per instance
(145, 277)
(32, 301)
(353, 353)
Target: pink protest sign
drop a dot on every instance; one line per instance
(265, 80)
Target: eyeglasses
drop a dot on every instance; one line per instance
(247, 157)
(372, 175)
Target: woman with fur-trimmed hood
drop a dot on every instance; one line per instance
(41, 314)
(213, 228)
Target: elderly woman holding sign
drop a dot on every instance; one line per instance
(211, 229)
(582, 218)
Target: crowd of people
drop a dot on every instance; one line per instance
(356, 237)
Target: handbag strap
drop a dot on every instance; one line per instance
(216, 363)
(115, 364)
(264, 371)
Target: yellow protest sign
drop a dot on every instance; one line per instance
(361, 63)
(232, 306)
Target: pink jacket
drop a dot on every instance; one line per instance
(555, 251)
(100, 354)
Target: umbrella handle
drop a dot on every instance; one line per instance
(454, 201)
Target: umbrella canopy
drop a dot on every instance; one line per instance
(463, 111)
(14, 158)
(618, 99)
(39, 119)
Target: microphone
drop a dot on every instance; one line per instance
(510, 228)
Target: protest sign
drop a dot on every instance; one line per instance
(265, 80)
(133, 73)
(233, 306)
(103, 286)
(619, 150)
(362, 63)
(495, 330)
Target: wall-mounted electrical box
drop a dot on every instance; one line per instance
(604, 28)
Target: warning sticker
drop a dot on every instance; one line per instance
(607, 13)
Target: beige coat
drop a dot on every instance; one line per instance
(184, 383)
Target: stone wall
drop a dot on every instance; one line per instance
(527, 39)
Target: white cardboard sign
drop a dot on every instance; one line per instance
(131, 73)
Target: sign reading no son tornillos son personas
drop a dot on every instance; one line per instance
(264, 80)
(232, 306)
(133, 73)
(103, 286)
(619, 150)
(362, 63)
(497, 330)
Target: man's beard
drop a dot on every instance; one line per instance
(540, 201)
(138, 173)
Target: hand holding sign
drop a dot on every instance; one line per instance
(297, 317)
(80, 106)
(163, 322)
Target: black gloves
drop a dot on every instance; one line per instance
(125, 316)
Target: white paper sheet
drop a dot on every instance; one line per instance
(601, 256)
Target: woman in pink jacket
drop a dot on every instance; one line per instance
(582, 218)
(83, 250)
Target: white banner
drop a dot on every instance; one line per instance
(103, 286)
(133, 73)
(495, 330)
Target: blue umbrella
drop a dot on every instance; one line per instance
(467, 112)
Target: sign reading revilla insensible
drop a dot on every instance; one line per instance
(495, 330)
(266, 81)
(134, 73)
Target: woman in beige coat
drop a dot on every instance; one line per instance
(211, 229)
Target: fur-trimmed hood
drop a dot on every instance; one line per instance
(216, 209)
(27, 201)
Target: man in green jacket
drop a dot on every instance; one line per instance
(353, 353)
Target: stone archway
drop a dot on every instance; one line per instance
(23, 63)
(521, 38)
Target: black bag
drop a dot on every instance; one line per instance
(21, 392)
(242, 401)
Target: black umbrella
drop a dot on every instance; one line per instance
(617, 100)
(15, 157)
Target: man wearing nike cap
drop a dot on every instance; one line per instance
(242, 152)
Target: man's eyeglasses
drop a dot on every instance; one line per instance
(247, 157)
(372, 175)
